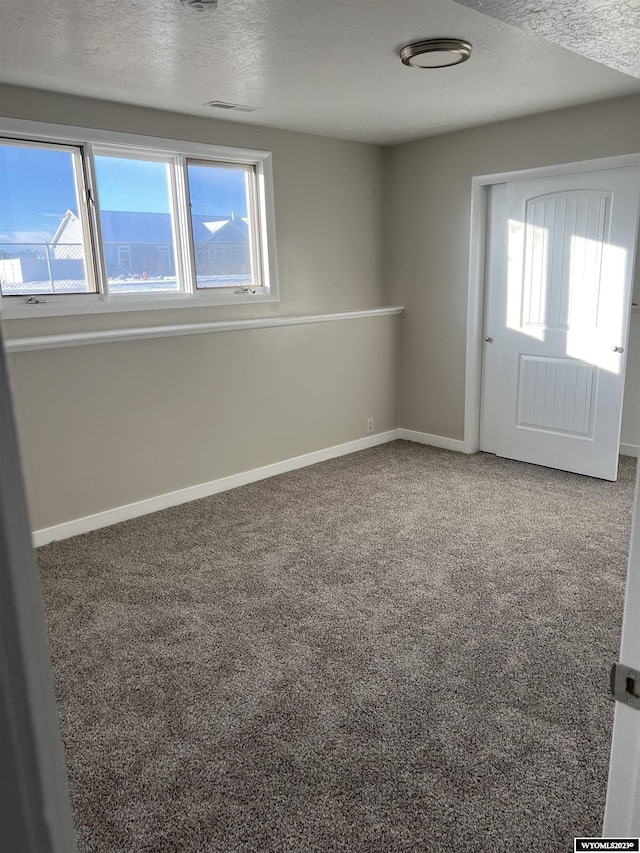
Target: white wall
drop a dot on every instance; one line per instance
(105, 425)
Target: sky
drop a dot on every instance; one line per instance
(37, 187)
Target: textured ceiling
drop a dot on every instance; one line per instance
(605, 30)
(321, 66)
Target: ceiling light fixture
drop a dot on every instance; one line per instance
(227, 105)
(435, 53)
(200, 5)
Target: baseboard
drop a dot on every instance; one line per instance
(629, 450)
(433, 440)
(203, 490)
(461, 446)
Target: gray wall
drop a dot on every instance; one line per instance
(106, 425)
(429, 193)
(358, 226)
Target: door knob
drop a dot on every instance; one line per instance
(489, 340)
(618, 349)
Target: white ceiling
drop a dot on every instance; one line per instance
(607, 32)
(321, 66)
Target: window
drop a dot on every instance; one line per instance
(222, 203)
(124, 259)
(134, 199)
(116, 222)
(43, 224)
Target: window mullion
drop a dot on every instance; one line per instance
(254, 233)
(83, 196)
(94, 221)
(183, 224)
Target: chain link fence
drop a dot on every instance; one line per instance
(28, 269)
(33, 268)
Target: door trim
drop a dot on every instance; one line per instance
(477, 260)
(36, 814)
(622, 808)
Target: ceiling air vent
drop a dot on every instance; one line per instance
(200, 5)
(225, 105)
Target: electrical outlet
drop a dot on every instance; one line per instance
(369, 424)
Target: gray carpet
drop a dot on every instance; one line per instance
(405, 649)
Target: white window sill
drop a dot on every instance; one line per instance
(16, 308)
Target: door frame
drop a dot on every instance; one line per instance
(622, 809)
(477, 273)
(36, 811)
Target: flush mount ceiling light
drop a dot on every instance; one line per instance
(227, 105)
(200, 5)
(435, 53)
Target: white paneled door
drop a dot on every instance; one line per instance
(560, 272)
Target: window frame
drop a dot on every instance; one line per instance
(92, 142)
(80, 182)
(179, 235)
(255, 242)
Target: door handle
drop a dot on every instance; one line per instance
(489, 340)
(618, 349)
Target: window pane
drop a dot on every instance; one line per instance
(42, 241)
(137, 224)
(223, 224)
